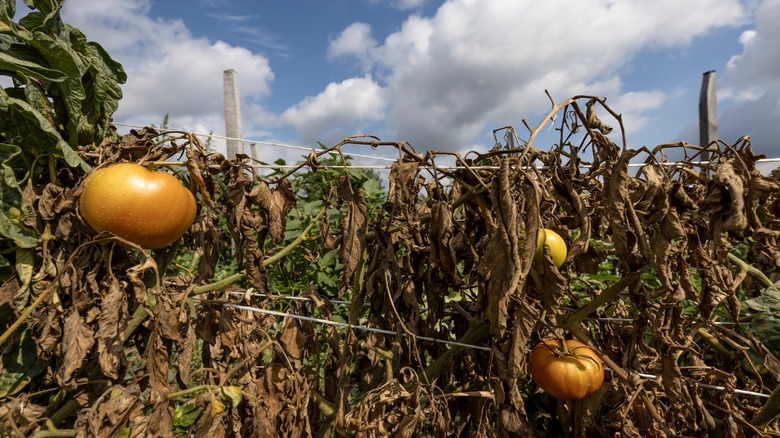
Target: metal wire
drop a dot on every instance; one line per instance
(371, 157)
(425, 338)
(339, 324)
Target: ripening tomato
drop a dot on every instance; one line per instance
(569, 376)
(150, 208)
(557, 246)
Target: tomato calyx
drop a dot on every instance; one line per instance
(563, 350)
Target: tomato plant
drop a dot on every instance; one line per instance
(150, 208)
(566, 375)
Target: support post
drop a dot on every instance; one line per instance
(708, 114)
(232, 114)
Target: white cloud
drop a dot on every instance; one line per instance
(634, 105)
(355, 41)
(477, 64)
(401, 4)
(341, 106)
(169, 70)
(751, 84)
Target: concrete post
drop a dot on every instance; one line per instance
(232, 113)
(708, 114)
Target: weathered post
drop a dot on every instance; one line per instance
(232, 114)
(708, 114)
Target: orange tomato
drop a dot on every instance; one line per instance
(569, 376)
(150, 208)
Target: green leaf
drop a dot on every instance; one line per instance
(766, 323)
(372, 188)
(29, 129)
(186, 415)
(7, 10)
(768, 301)
(11, 199)
(48, 8)
(766, 326)
(10, 230)
(21, 364)
(25, 267)
(100, 83)
(232, 394)
(33, 20)
(19, 60)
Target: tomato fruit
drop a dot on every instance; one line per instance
(557, 246)
(569, 376)
(150, 208)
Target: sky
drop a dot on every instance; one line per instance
(441, 75)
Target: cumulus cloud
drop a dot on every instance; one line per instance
(343, 105)
(476, 64)
(751, 85)
(355, 41)
(169, 70)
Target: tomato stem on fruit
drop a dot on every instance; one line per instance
(563, 346)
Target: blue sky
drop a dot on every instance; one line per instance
(440, 74)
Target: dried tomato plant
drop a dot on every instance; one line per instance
(102, 338)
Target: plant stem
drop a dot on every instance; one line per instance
(476, 332)
(192, 390)
(55, 433)
(757, 274)
(69, 408)
(140, 313)
(713, 341)
(227, 281)
(326, 407)
(770, 410)
(572, 321)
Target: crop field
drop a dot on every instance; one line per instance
(207, 298)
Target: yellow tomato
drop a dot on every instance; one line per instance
(557, 246)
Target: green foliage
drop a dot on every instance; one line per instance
(311, 263)
(21, 364)
(184, 417)
(63, 93)
(765, 323)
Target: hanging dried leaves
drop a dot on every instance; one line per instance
(189, 341)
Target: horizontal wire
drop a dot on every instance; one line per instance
(339, 324)
(250, 141)
(708, 386)
(422, 338)
(346, 303)
(378, 157)
(284, 297)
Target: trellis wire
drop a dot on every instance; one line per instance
(267, 143)
(425, 338)
(346, 303)
(371, 157)
(339, 324)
